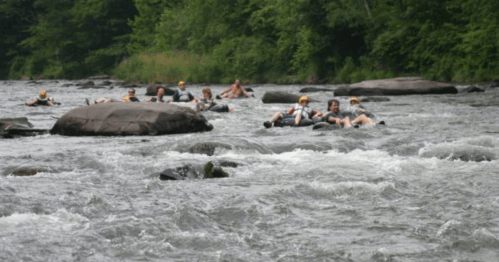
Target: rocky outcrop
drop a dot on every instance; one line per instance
(12, 127)
(494, 83)
(374, 99)
(86, 83)
(472, 89)
(314, 89)
(396, 86)
(153, 88)
(207, 148)
(211, 169)
(280, 97)
(125, 119)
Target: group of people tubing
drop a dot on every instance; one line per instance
(356, 114)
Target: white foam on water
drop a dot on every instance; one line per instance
(349, 188)
(61, 220)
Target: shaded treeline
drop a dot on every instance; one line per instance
(254, 40)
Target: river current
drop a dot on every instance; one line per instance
(424, 187)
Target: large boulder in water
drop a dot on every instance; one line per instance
(11, 127)
(112, 119)
(280, 97)
(396, 86)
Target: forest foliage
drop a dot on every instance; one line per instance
(280, 41)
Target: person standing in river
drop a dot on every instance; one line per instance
(235, 91)
(299, 111)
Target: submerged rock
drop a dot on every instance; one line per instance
(28, 171)
(211, 169)
(207, 148)
(472, 89)
(125, 119)
(87, 83)
(280, 97)
(396, 86)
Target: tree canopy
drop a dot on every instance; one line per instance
(254, 40)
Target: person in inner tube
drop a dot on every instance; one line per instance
(299, 111)
(208, 102)
(41, 100)
(182, 95)
(160, 93)
(335, 116)
(129, 98)
(356, 108)
(235, 91)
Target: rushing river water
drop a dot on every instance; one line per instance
(425, 187)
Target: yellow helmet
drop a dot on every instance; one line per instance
(43, 94)
(181, 83)
(354, 99)
(303, 98)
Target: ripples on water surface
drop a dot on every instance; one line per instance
(422, 188)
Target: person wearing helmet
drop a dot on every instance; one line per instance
(355, 108)
(235, 91)
(182, 95)
(299, 111)
(41, 100)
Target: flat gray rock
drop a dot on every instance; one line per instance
(126, 119)
(396, 86)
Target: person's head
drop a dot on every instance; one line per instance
(181, 85)
(354, 100)
(160, 92)
(333, 105)
(303, 101)
(206, 92)
(43, 94)
(237, 83)
(131, 92)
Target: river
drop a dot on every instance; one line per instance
(424, 187)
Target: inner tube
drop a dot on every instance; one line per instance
(219, 108)
(291, 122)
(325, 126)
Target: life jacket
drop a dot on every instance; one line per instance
(42, 102)
(183, 95)
(156, 99)
(208, 101)
(306, 112)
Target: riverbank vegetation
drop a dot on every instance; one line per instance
(279, 41)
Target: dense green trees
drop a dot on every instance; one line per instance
(254, 40)
(68, 38)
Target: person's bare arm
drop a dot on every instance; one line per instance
(290, 111)
(226, 90)
(31, 102)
